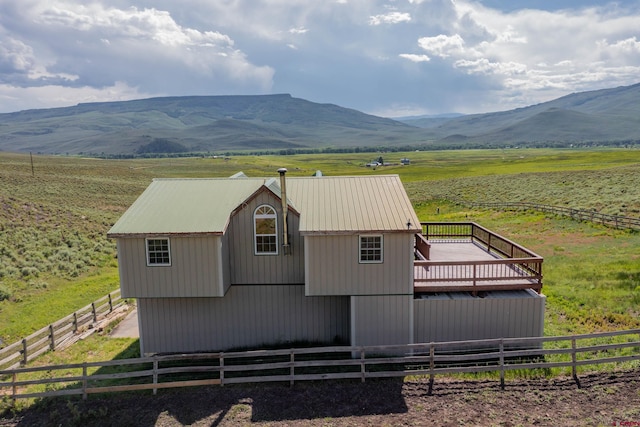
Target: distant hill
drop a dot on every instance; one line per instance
(597, 116)
(198, 124)
(261, 123)
(428, 121)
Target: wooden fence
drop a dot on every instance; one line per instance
(326, 363)
(577, 214)
(59, 333)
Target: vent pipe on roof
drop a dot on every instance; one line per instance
(285, 209)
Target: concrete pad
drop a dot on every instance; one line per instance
(128, 327)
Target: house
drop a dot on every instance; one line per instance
(226, 263)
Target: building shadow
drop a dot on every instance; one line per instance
(215, 404)
(244, 403)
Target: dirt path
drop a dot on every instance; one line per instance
(603, 400)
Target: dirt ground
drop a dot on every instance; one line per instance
(602, 400)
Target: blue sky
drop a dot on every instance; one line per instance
(390, 58)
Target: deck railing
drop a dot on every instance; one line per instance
(515, 267)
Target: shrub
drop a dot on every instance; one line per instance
(29, 271)
(5, 294)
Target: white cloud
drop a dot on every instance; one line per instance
(390, 18)
(415, 58)
(22, 98)
(485, 66)
(93, 46)
(590, 48)
(443, 45)
(300, 30)
(356, 53)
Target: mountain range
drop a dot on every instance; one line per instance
(263, 123)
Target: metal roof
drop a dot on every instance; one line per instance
(352, 204)
(327, 205)
(185, 206)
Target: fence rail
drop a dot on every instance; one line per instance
(577, 214)
(324, 363)
(59, 333)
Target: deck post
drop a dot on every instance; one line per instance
(475, 280)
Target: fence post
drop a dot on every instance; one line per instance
(84, 381)
(93, 311)
(110, 304)
(574, 371)
(155, 374)
(75, 322)
(501, 363)
(292, 369)
(14, 388)
(53, 338)
(221, 369)
(363, 368)
(25, 355)
(432, 365)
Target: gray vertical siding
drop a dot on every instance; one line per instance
(248, 268)
(194, 271)
(225, 261)
(248, 316)
(455, 317)
(381, 320)
(333, 268)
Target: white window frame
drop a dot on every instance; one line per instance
(256, 216)
(148, 252)
(371, 251)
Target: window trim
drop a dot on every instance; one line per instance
(360, 249)
(148, 253)
(255, 234)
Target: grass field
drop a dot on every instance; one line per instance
(55, 258)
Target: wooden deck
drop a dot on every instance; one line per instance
(484, 261)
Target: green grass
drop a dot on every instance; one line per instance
(34, 306)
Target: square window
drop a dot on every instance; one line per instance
(370, 249)
(158, 252)
(266, 244)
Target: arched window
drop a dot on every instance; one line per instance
(265, 230)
